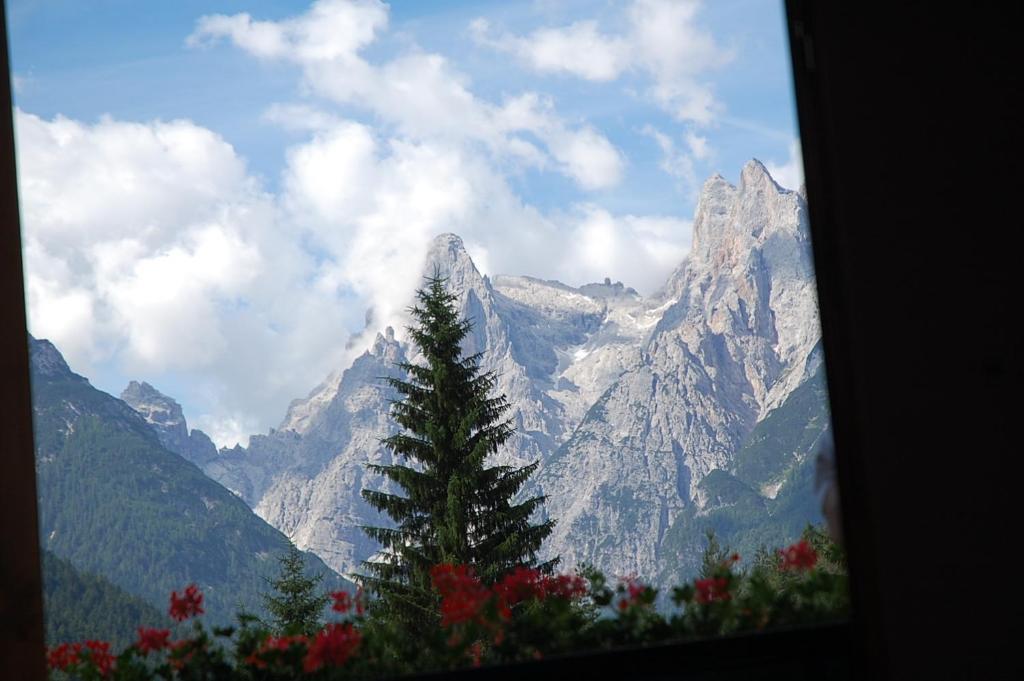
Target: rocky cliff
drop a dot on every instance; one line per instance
(629, 403)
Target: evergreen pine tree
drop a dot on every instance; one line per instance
(295, 606)
(455, 509)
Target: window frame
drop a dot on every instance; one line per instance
(841, 53)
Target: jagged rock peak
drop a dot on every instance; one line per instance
(384, 345)
(140, 391)
(448, 252)
(165, 416)
(158, 409)
(730, 216)
(755, 173)
(46, 358)
(447, 257)
(148, 401)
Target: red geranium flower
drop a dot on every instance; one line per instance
(799, 556)
(189, 604)
(333, 645)
(521, 584)
(99, 655)
(462, 594)
(342, 602)
(275, 644)
(712, 589)
(153, 640)
(567, 587)
(634, 592)
(63, 656)
(283, 643)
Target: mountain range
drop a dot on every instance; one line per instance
(653, 418)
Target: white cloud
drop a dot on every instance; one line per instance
(376, 202)
(151, 249)
(698, 146)
(660, 39)
(578, 49)
(789, 173)
(419, 94)
(677, 162)
(588, 157)
(639, 250)
(331, 30)
(134, 260)
(149, 246)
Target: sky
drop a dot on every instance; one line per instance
(228, 199)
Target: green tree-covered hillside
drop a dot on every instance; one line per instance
(116, 503)
(79, 606)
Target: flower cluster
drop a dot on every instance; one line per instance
(101, 657)
(189, 604)
(344, 602)
(524, 584)
(463, 597)
(524, 615)
(272, 647)
(633, 593)
(153, 640)
(67, 656)
(712, 589)
(333, 645)
(64, 656)
(799, 556)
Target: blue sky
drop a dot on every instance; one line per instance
(203, 176)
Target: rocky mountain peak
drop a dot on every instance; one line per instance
(731, 219)
(46, 358)
(385, 347)
(448, 257)
(628, 403)
(165, 416)
(754, 174)
(152, 404)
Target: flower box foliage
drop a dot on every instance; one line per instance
(525, 615)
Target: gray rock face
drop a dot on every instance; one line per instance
(166, 418)
(737, 340)
(628, 403)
